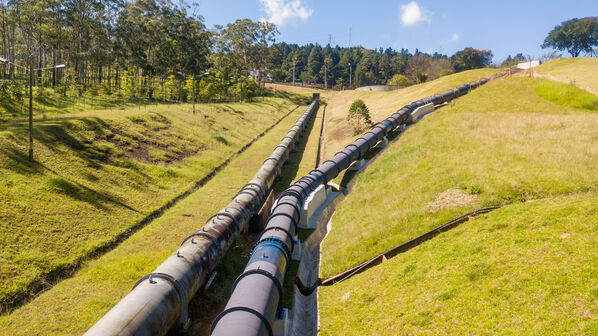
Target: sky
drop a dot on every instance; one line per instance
(506, 27)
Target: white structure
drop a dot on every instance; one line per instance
(420, 112)
(528, 65)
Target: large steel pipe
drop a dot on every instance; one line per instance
(158, 302)
(256, 296)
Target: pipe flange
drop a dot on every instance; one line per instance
(184, 317)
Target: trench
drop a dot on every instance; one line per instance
(47, 280)
(206, 305)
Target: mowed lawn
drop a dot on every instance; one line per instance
(95, 177)
(75, 304)
(506, 143)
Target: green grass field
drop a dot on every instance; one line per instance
(579, 71)
(96, 177)
(73, 305)
(526, 269)
(504, 143)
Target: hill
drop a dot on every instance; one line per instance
(507, 143)
(578, 71)
(98, 178)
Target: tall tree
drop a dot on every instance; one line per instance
(470, 58)
(575, 36)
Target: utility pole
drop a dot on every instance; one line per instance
(325, 77)
(294, 61)
(30, 108)
(350, 81)
(193, 94)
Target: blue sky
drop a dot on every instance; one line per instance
(505, 27)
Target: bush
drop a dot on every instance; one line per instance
(359, 116)
(245, 89)
(398, 79)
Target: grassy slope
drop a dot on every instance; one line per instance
(383, 104)
(506, 144)
(578, 71)
(527, 269)
(74, 304)
(95, 177)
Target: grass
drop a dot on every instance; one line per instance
(96, 177)
(526, 269)
(383, 104)
(579, 71)
(567, 95)
(48, 102)
(501, 144)
(73, 305)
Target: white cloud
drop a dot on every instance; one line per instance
(281, 12)
(454, 38)
(412, 13)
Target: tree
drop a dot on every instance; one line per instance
(359, 116)
(470, 58)
(575, 36)
(314, 64)
(398, 79)
(512, 61)
(417, 68)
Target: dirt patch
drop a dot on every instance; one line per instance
(451, 198)
(341, 133)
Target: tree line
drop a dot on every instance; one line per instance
(159, 49)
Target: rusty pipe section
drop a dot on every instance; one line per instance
(158, 301)
(256, 296)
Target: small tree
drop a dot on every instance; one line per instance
(575, 36)
(359, 116)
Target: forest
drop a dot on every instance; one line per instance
(161, 50)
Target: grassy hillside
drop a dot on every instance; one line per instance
(74, 304)
(96, 177)
(47, 102)
(503, 143)
(527, 269)
(576, 70)
(383, 104)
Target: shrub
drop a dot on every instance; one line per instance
(398, 79)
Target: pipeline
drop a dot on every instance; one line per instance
(256, 296)
(158, 301)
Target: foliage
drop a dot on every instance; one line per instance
(359, 116)
(245, 89)
(398, 79)
(575, 36)
(470, 58)
(512, 61)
